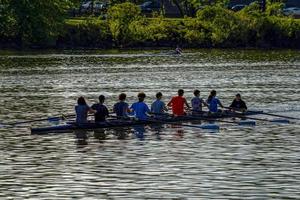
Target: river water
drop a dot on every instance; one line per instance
(168, 162)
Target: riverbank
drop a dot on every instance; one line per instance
(213, 27)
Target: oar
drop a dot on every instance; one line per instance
(275, 115)
(211, 119)
(211, 126)
(241, 122)
(284, 121)
(38, 120)
(263, 113)
(206, 119)
(240, 114)
(166, 122)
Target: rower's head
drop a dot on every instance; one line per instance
(122, 97)
(81, 101)
(180, 92)
(141, 96)
(213, 93)
(238, 97)
(159, 95)
(197, 93)
(101, 98)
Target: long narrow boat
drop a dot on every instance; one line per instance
(112, 123)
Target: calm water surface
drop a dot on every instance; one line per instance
(167, 162)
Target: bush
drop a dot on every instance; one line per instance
(87, 33)
(119, 18)
(224, 26)
(156, 32)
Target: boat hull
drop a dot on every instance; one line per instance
(71, 126)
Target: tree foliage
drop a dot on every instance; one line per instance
(34, 22)
(40, 22)
(119, 18)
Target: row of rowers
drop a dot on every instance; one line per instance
(141, 110)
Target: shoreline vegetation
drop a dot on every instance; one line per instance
(125, 27)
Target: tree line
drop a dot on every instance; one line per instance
(36, 23)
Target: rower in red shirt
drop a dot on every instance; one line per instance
(177, 103)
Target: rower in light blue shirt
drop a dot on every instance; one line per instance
(213, 102)
(158, 106)
(82, 110)
(139, 108)
(197, 102)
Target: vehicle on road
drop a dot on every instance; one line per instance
(97, 7)
(238, 7)
(293, 11)
(150, 6)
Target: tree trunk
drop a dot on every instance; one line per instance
(263, 5)
(92, 6)
(179, 7)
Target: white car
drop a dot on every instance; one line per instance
(85, 6)
(291, 11)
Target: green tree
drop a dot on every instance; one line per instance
(189, 7)
(37, 22)
(119, 18)
(7, 21)
(274, 7)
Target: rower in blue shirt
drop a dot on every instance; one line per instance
(139, 108)
(213, 102)
(121, 108)
(158, 106)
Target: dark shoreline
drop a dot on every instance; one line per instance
(141, 48)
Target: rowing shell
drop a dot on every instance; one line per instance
(71, 126)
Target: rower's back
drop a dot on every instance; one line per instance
(121, 108)
(81, 110)
(140, 108)
(158, 106)
(177, 103)
(101, 110)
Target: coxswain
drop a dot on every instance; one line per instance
(238, 104)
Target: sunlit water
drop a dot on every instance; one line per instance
(168, 162)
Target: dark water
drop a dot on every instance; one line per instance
(168, 162)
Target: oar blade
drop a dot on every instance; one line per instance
(54, 120)
(247, 123)
(210, 126)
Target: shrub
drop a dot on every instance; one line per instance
(87, 33)
(119, 18)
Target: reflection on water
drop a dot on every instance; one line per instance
(156, 161)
